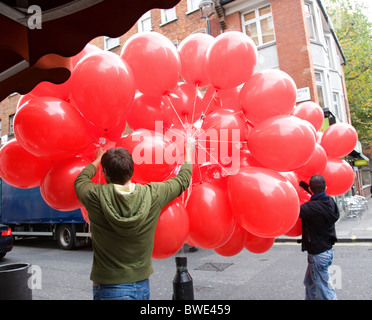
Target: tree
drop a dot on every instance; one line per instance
(354, 32)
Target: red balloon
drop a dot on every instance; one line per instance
(268, 93)
(103, 88)
(184, 102)
(57, 187)
(208, 172)
(171, 231)
(282, 143)
(263, 202)
(339, 140)
(310, 111)
(228, 99)
(303, 195)
(235, 244)
(146, 110)
(20, 168)
(155, 62)
(84, 213)
(50, 127)
(257, 244)
(89, 48)
(224, 130)
(210, 216)
(296, 229)
(339, 176)
(231, 60)
(193, 51)
(316, 163)
(247, 159)
(154, 156)
(291, 177)
(47, 89)
(114, 133)
(23, 99)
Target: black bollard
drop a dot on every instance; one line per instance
(14, 282)
(183, 288)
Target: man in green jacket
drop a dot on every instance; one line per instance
(123, 218)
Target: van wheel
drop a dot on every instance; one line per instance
(65, 237)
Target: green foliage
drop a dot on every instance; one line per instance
(353, 30)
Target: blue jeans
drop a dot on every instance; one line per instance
(130, 291)
(317, 281)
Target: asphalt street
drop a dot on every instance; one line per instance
(274, 275)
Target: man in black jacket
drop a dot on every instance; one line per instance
(318, 237)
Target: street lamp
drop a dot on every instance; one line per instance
(206, 10)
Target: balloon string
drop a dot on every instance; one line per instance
(210, 101)
(230, 115)
(220, 141)
(174, 109)
(177, 133)
(189, 189)
(213, 158)
(200, 174)
(246, 119)
(193, 109)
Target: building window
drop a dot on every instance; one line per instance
(175, 42)
(337, 105)
(329, 50)
(320, 87)
(11, 124)
(259, 25)
(168, 15)
(144, 23)
(192, 5)
(111, 43)
(310, 21)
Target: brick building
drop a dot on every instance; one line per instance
(295, 36)
(292, 35)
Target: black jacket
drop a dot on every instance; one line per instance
(318, 223)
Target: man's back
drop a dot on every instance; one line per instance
(123, 224)
(318, 223)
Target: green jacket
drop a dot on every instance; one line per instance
(123, 223)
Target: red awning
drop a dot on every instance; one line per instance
(36, 42)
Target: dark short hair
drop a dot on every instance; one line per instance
(317, 183)
(118, 165)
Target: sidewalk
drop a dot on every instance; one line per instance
(347, 230)
(356, 229)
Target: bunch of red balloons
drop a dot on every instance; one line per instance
(253, 144)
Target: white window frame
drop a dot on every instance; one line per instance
(337, 105)
(11, 124)
(330, 51)
(192, 6)
(257, 21)
(321, 84)
(168, 15)
(110, 43)
(310, 19)
(316, 20)
(145, 17)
